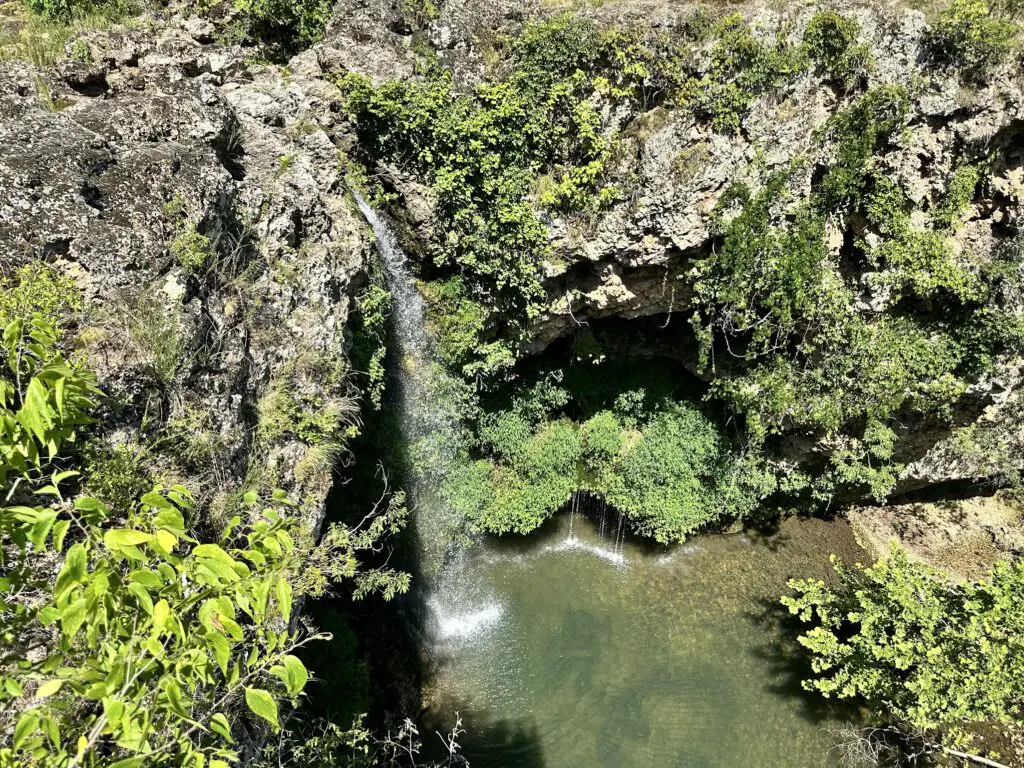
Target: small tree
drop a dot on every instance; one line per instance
(920, 650)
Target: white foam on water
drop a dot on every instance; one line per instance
(469, 624)
(683, 550)
(572, 544)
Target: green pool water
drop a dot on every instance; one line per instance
(565, 653)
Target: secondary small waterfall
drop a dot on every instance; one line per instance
(430, 422)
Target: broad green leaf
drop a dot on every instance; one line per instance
(174, 698)
(167, 540)
(60, 531)
(160, 613)
(72, 617)
(143, 596)
(119, 538)
(219, 724)
(35, 414)
(49, 688)
(27, 723)
(292, 673)
(73, 571)
(262, 704)
(221, 650)
(284, 598)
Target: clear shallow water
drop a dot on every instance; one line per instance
(565, 654)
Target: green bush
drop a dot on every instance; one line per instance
(127, 640)
(666, 466)
(38, 288)
(369, 345)
(831, 41)
(857, 133)
(66, 10)
(971, 36)
(742, 68)
(774, 297)
(286, 27)
(191, 249)
(918, 649)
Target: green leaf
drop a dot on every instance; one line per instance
(284, 598)
(262, 704)
(174, 698)
(124, 537)
(142, 594)
(292, 673)
(72, 617)
(35, 414)
(60, 531)
(221, 650)
(27, 723)
(160, 613)
(219, 724)
(49, 688)
(72, 573)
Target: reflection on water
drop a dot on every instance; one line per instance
(573, 655)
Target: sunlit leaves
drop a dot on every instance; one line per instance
(263, 704)
(916, 647)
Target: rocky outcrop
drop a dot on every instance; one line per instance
(198, 200)
(633, 260)
(113, 163)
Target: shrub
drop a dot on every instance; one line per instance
(369, 346)
(857, 131)
(312, 417)
(971, 36)
(742, 68)
(285, 27)
(115, 475)
(38, 288)
(127, 641)
(66, 10)
(668, 468)
(191, 249)
(831, 41)
(918, 649)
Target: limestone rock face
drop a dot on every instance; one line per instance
(109, 167)
(106, 166)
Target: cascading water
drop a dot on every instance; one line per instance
(430, 422)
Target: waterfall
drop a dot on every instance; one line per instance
(430, 423)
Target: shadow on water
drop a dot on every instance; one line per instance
(495, 744)
(789, 664)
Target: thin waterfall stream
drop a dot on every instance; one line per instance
(580, 646)
(430, 424)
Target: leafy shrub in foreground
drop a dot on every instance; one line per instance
(917, 648)
(127, 641)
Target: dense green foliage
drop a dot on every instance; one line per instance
(832, 43)
(541, 135)
(65, 10)
(128, 640)
(285, 26)
(480, 154)
(661, 461)
(975, 35)
(922, 651)
(777, 315)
